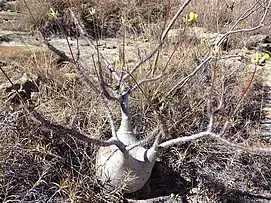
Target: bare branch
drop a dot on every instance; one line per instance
(163, 129)
(161, 40)
(218, 138)
(174, 19)
(85, 75)
(179, 140)
(260, 24)
(64, 130)
(60, 53)
(183, 81)
(145, 80)
(60, 129)
(246, 14)
(242, 147)
(107, 90)
(109, 66)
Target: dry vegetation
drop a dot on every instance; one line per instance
(37, 165)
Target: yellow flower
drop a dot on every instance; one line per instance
(53, 13)
(260, 58)
(255, 58)
(266, 56)
(191, 17)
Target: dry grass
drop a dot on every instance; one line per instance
(137, 17)
(37, 165)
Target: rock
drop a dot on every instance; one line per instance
(8, 15)
(200, 33)
(253, 42)
(9, 6)
(233, 62)
(24, 86)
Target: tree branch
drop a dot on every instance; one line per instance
(163, 199)
(60, 129)
(217, 137)
(162, 40)
(260, 24)
(184, 80)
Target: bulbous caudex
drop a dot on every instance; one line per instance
(132, 168)
(127, 166)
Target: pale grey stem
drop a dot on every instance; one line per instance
(144, 141)
(125, 132)
(179, 140)
(146, 80)
(211, 123)
(111, 68)
(156, 142)
(211, 113)
(218, 138)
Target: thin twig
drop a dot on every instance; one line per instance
(146, 80)
(184, 80)
(259, 25)
(162, 40)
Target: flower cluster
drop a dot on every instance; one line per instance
(260, 58)
(191, 17)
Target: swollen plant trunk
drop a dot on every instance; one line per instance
(128, 169)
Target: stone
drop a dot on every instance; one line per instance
(253, 41)
(24, 85)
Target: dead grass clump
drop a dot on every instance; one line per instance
(216, 172)
(39, 165)
(40, 15)
(108, 19)
(114, 18)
